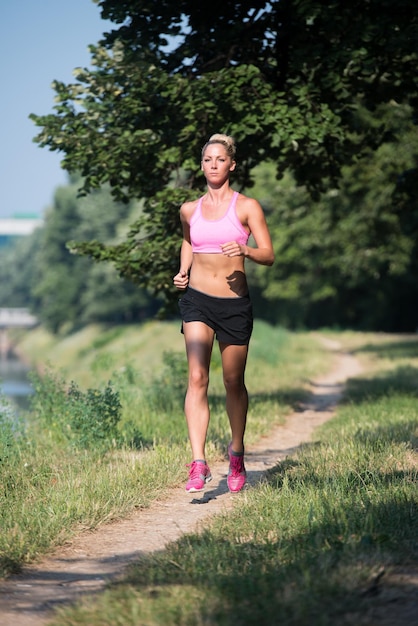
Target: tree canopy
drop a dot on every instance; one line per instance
(296, 82)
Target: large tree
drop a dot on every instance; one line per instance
(288, 78)
(350, 258)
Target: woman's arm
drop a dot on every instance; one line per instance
(181, 279)
(252, 215)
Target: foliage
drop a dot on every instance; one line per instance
(170, 75)
(350, 257)
(95, 415)
(57, 289)
(150, 247)
(87, 419)
(18, 271)
(153, 409)
(166, 392)
(8, 433)
(110, 299)
(66, 291)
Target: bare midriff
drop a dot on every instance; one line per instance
(218, 275)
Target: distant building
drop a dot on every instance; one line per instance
(17, 226)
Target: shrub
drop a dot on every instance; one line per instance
(87, 419)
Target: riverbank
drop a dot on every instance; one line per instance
(93, 354)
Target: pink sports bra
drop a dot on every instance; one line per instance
(206, 236)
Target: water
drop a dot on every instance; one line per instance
(15, 385)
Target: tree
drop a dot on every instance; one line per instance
(107, 298)
(18, 272)
(350, 258)
(289, 79)
(69, 292)
(61, 275)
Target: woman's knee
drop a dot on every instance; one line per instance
(234, 384)
(198, 379)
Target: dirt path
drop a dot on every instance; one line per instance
(92, 559)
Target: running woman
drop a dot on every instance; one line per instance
(216, 302)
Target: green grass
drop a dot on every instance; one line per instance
(305, 547)
(78, 460)
(49, 493)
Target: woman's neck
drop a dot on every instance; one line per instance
(216, 195)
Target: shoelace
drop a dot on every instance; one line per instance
(237, 465)
(195, 470)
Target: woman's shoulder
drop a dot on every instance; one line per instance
(188, 208)
(247, 203)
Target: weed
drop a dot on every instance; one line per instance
(166, 392)
(88, 419)
(94, 416)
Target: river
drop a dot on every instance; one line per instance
(14, 382)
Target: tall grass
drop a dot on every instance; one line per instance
(310, 545)
(87, 454)
(49, 491)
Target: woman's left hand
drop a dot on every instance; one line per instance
(232, 248)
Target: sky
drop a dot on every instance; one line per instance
(40, 41)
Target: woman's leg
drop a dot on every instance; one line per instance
(234, 359)
(199, 342)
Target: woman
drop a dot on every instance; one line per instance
(216, 229)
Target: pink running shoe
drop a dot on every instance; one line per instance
(199, 475)
(237, 476)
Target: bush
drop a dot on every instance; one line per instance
(87, 419)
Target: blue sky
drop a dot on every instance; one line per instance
(40, 41)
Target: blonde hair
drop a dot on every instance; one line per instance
(226, 140)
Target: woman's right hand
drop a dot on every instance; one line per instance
(181, 280)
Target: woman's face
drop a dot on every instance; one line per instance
(216, 164)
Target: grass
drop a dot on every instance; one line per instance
(49, 493)
(308, 545)
(60, 473)
(92, 355)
